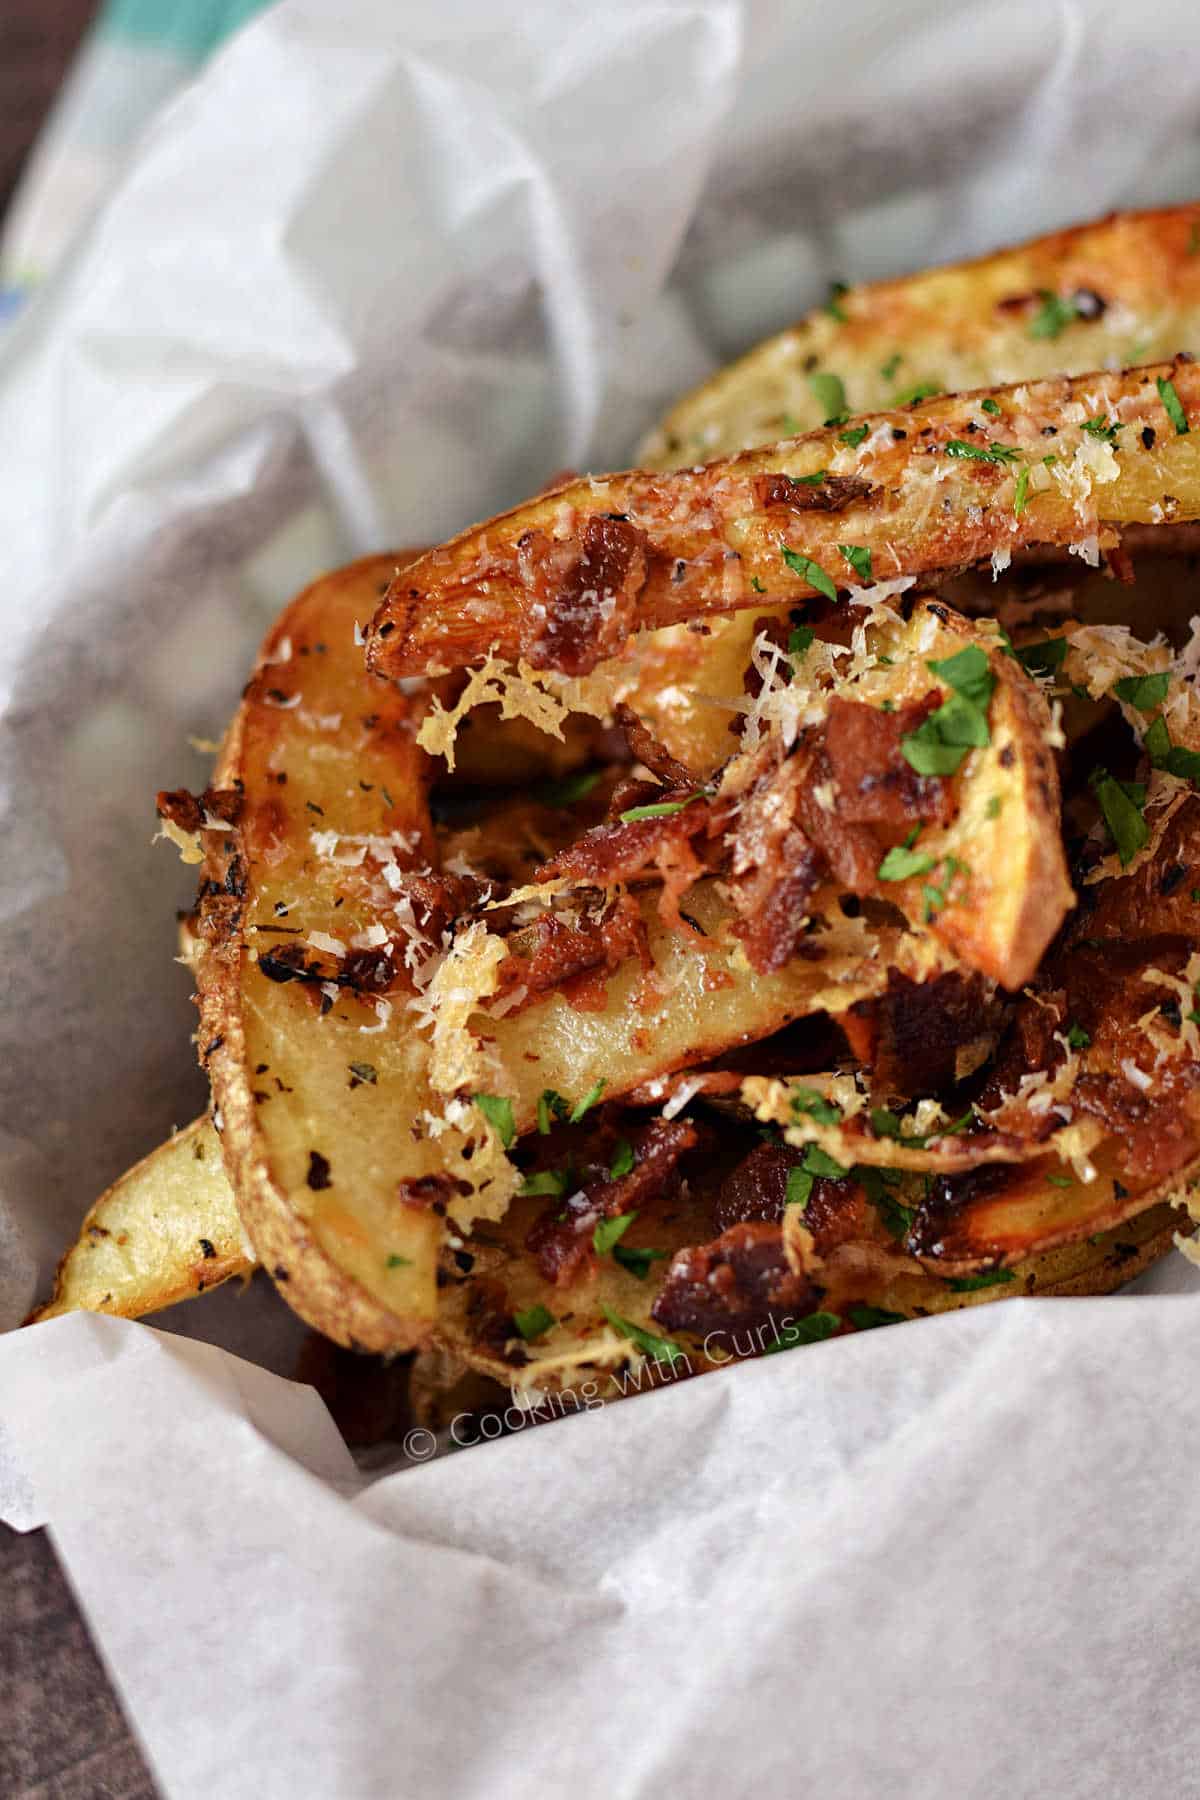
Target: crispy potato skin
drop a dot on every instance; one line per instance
(281, 1089)
(166, 1231)
(709, 540)
(966, 326)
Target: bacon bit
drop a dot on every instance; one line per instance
(585, 593)
(554, 950)
(618, 852)
(833, 493)
(561, 1239)
(875, 785)
(430, 1193)
(910, 1036)
(740, 1280)
(645, 748)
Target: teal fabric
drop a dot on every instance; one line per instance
(191, 28)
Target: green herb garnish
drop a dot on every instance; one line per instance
(535, 1323)
(1099, 427)
(853, 435)
(1145, 692)
(809, 571)
(867, 1318)
(1043, 658)
(660, 1348)
(546, 1181)
(498, 1112)
(1121, 804)
(968, 1284)
(567, 791)
(809, 1101)
(622, 1161)
(399, 1262)
(799, 639)
(1174, 405)
(833, 306)
(1077, 1037)
(1021, 492)
(609, 1232)
(589, 1100)
(661, 809)
(859, 558)
(961, 722)
(813, 1330)
(551, 1106)
(830, 394)
(990, 453)
(990, 406)
(1054, 315)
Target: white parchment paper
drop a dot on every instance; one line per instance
(380, 272)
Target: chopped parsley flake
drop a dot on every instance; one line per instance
(660, 1348)
(902, 862)
(969, 1284)
(609, 1232)
(809, 1101)
(939, 745)
(813, 1330)
(1021, 492)
(1043, 658)
(991, 406)
(833, 306)
(896, 1219)
(551, 1106)
(920, 390)
(888, 371)
(1174, 405)
(661, 809)
(589, 1100)
(830, 394)
(936, 897)
(535, 1323)
(498, 1112)
(809, 571)
(546, 1181)
(1061, 1181)
(757, 585)
(622, 1161)
(567, 791)
(1121, 803)
(867, 1318)
(995, 802)
(1163, 754)
(1053, 316)
(1145, 692)
(853, 436)
(1077, 1037)
(989, 453)
(1100, 427)
(859, 558)
(799, 639)
(799, 1187)
(399, 1262)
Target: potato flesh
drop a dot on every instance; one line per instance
(167, 1230)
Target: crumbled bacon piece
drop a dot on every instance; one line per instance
(833, 493)
(645, 748)
(585, 592)
(740, 1280)
(561, 1239)
(910, 1035)
(191, 812)
(875, 785)
(554, 949)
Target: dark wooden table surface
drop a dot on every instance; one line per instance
(62, 1733)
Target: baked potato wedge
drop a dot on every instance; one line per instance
(350, 994)
(1120, 290)
(563, 580)
(166, 1231)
